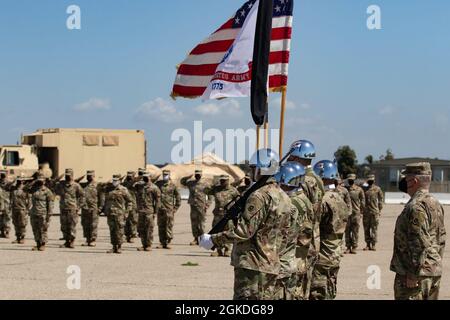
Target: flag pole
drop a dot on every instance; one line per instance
(283, 110)
(266, 133)
(257, 137)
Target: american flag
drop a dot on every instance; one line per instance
(197, 70)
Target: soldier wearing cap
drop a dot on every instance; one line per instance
(5, 210)
(94, 200)
(241, 188)
(20, 206)
(148, 204)
(170, 202)
(371, 214)
(358, 204)
(71, 200)
(41, 210)
(419, 239)
(132, 218)
(118, 202)
(223, 194)
(199, 202)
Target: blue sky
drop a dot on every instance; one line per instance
(372, 90)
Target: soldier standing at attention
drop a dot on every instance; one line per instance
(334, 214)
(20, 205)
(90, 211)
(41, 210)
(304, 152)
(358, 204)
(170, 202)
(371, 215)
(256, 256)
(199, 203)
(148, 204)
(132, 217)
(419, 239)
(71, 200)
(223, 194)
(117, 203)
(5, 213)
(242, 188)
(290, 177)
(348, 201)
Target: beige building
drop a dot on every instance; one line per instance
(106, 151)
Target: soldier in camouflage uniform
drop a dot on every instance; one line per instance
(304, 152)
(343, 192)
(334, 214)
(90, 211)
(242, 188)
(71, 200)
(358, 204)
(5, 212)
(371, 214)
(170, 202)
(419, 239)
(132, 218)
(117, 203)
(256, 256)
(41, 210)
(148, 204)
(199, 202)
(223, 194)
(20, 205)
(292, 229)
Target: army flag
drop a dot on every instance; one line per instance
(221, 66)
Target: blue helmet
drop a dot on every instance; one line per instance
(266, 160)
(291, 174)
(326, 169)
(303, 149)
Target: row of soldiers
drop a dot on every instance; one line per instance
(130, 207)
(287, 243)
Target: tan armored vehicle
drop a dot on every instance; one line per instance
(53, 150)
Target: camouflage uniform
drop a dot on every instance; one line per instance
(20, 204)
(199, 203)
(148, 204)
(5, 212)
(170, 202)
(41, 210)
(89, 214)
(292, 234)
(334, 214)
(242, 188)
(255, 254)
(132, 217)
(222, 196)
(304, 243)
(419, 243)
(71, 200)
(117, 203)
(371, 216)
(352, 229)
(314, 190)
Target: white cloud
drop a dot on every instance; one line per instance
(229, 107)
(93, 104)
(386, 111)
(159, 109)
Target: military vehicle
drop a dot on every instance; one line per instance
(51, 151)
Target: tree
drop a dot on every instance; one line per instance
(346, 159)
(389, 155)
(369, 159)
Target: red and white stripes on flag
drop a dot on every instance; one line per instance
(197, 71)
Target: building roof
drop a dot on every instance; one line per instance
(403, 161)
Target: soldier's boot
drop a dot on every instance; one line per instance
(92, 243)
(22, 240)
(71, 244)
(166, 246)
(86, 244)
(130, 240)
(62, 238)
(347, 251)
(119, 249)
(367, 247)
(113, 250)
(353, 250)
(2, 234)
(372, 247)
(215, 254)
(6, 235)
(65, 245)
(36, 248)
(42, 247)
(226, 253)
(16, 241)
(194, 243)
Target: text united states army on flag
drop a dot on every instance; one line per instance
(221, 66)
